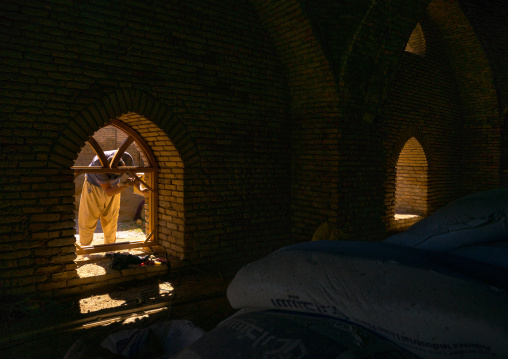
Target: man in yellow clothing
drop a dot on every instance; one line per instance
(100, 199)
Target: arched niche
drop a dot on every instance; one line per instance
(417, 43)
(135, 206)
(411, 181)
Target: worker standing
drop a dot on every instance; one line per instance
(100, 199)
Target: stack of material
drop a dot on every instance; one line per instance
(438, 290)
(474, 227)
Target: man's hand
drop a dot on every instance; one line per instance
(142, 188)
(131, 182)
(111, 191)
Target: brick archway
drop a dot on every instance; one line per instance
(114, 105)
(119, 135)
(168, 139)
(350, 69)
(411, 180)
(417, 42)
(424, 151)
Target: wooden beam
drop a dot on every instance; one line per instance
(114, 247)
(142, 182)
(126, 169)
(79, 249)
(119, 153)
(149, 236)
(153, 214)
(33, 334)
(77, 173)
(139, 141)
(99, 152)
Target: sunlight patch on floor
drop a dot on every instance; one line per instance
(99, 264)
(405, 216)
(99, 302)
(123, 296)
(127, 232)
(91, 270)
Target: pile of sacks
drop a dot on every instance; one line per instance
(438, 290)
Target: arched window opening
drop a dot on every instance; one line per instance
(136, 225)
(417, 43)
(411, 181)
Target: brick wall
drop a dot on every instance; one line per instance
(480, 110)
(266, 118)
(424, 105)
(206, 90)
(337, 167)
(314, 116)
(487, 20)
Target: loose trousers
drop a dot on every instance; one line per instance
(95, 205)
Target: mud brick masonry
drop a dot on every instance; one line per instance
(266, 118)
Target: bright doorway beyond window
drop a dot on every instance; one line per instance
(136, 226)
(416, 43)
(411, 181)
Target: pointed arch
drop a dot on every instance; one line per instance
(117, 135)
(112, 106)
(411, 180)
(410, 152)
(368, 66)
(153, 124)
(417, 43)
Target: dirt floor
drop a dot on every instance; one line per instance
(126, 231)
(77, 325)
(52, 332)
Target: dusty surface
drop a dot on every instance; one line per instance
(405, 216)
(48, 329)
(98, 264)
(126, 232)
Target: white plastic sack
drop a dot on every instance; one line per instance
(394, 291)
(479, 218)
(157, 340)
(267, 334)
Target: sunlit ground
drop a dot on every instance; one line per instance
(120, 297)
(405, 216)
(93, 265)
(91, 270)
(126, 232)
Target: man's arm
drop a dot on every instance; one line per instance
(112, 190)
(141, 188)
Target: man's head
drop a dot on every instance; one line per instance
(119, 164)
